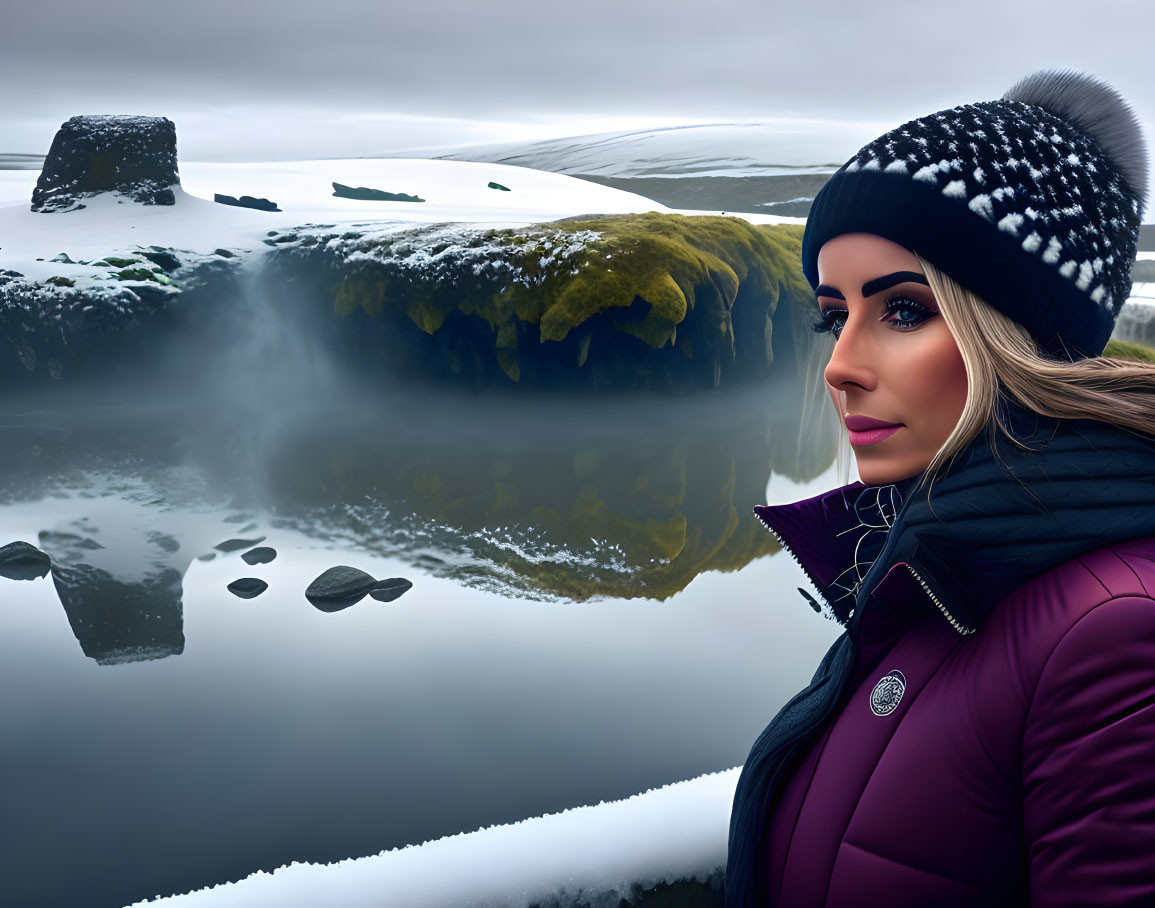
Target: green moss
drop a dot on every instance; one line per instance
(353, 293)
(58, 281)
(667, 280)
(1126, 350)
(120, 262)
(138, 274)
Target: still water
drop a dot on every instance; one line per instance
(594, 611)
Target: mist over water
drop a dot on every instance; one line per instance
(593, 612)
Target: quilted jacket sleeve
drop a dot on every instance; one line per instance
(1089, 762)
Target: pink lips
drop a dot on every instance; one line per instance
(866, 431)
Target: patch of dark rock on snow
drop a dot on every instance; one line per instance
(224, 253)
(245, 201)
(23, 561)
(493, 185)
(247, 587)
(131, 155)
(233, 545)
(393, 588)
(364, 193)
(339, 587)
(162, 257)
(262, 555)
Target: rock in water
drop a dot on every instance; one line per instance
(131, 155)
(23, 561)
(339, 587)
(262, 555)
(388, 590)
(232, 545)
(248, 587)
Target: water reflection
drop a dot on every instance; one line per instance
(548, 498)
(588, 617)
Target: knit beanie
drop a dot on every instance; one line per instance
(1032, 201)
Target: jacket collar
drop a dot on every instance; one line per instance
(997, 516)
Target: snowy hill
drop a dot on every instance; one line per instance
(717, 149)
(773, 167)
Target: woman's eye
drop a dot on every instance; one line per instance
(907, 313)
(832, 320)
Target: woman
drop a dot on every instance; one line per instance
(983, 732)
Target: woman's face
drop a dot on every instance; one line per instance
(895, 362)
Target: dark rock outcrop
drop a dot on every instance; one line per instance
(119, 322)
(262, 555)
(131, 155)
(160, 256)
(245, 201)
(364, 193)
(23, 561)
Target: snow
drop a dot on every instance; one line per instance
(675, 832)
(772, 148)
(455, 191)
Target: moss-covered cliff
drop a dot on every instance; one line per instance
(624, 301)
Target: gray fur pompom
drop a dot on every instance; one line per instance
(1098, 110)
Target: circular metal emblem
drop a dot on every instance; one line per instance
(887, 693)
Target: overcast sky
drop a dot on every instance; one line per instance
(246, 79)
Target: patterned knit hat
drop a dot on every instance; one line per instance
(1032, 201)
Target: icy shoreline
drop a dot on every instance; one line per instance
(591, 855)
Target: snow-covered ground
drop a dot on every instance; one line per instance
(662, 835)
(454, 191)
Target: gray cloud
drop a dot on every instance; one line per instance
(522, 60)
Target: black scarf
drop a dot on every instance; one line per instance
(998, 516)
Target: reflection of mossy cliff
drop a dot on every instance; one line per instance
(547, 502)
(648, 300)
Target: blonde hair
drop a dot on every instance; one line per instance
(1003, 361)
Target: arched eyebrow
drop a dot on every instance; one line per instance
(876, 285)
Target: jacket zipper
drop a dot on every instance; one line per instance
(789, 551)
(954, 622)
(942, 608)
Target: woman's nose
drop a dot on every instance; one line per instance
(852, 362)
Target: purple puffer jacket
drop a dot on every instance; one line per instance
(1013, 765)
